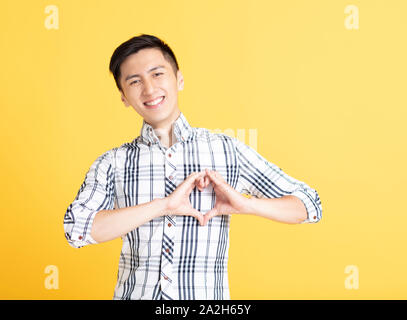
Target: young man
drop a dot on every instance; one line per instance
(169, 194)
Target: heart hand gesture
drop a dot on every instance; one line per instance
(228, 200)
(178, 201)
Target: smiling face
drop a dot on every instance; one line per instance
(150, 86)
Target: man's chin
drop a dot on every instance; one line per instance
(155, 119)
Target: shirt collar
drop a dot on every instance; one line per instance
(181, 130)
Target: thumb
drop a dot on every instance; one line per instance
(209, 215)
(191, 181)
(198, 215)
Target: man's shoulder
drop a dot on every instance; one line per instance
(124, 147)
(133, 144)
(211, 134)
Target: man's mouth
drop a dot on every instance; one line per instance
(154, 103)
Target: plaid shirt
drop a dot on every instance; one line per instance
(173, 257)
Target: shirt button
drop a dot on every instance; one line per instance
(80, 237)
(169, 155)
(165, 277)
(167, 250)
(170, 177)
(169, 224)
(315, 217)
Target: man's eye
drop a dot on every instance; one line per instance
(156, 74)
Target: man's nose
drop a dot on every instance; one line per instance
(148, 87)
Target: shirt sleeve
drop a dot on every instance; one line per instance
(262, 179)
(95, 194)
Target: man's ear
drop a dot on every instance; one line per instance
(180, 81)
(123, 98)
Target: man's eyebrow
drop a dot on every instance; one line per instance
(137, 75)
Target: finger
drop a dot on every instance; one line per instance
(206, 181)
(199, 181)
(209, 215)
(198, 215)
(201, 184)
(191, 181)
(195, 174)
(212, 176)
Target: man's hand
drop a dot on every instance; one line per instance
(177, 203)
(228, 200)
(287, 209)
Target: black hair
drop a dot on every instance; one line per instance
(134, 45)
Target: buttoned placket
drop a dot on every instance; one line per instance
(167, 275)
(170, 164)
(169, 223)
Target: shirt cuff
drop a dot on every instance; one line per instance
(313, 212)
(81, 232)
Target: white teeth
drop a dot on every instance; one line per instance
(156, 101)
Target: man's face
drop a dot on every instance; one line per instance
(146, 77)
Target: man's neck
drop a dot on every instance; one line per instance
(165, 136)
(164, 132)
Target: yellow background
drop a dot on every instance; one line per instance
(329, 106)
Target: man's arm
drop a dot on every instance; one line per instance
(286, 209)
(111, 224)
(275, 194)
(95, 194)
(91, 217)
